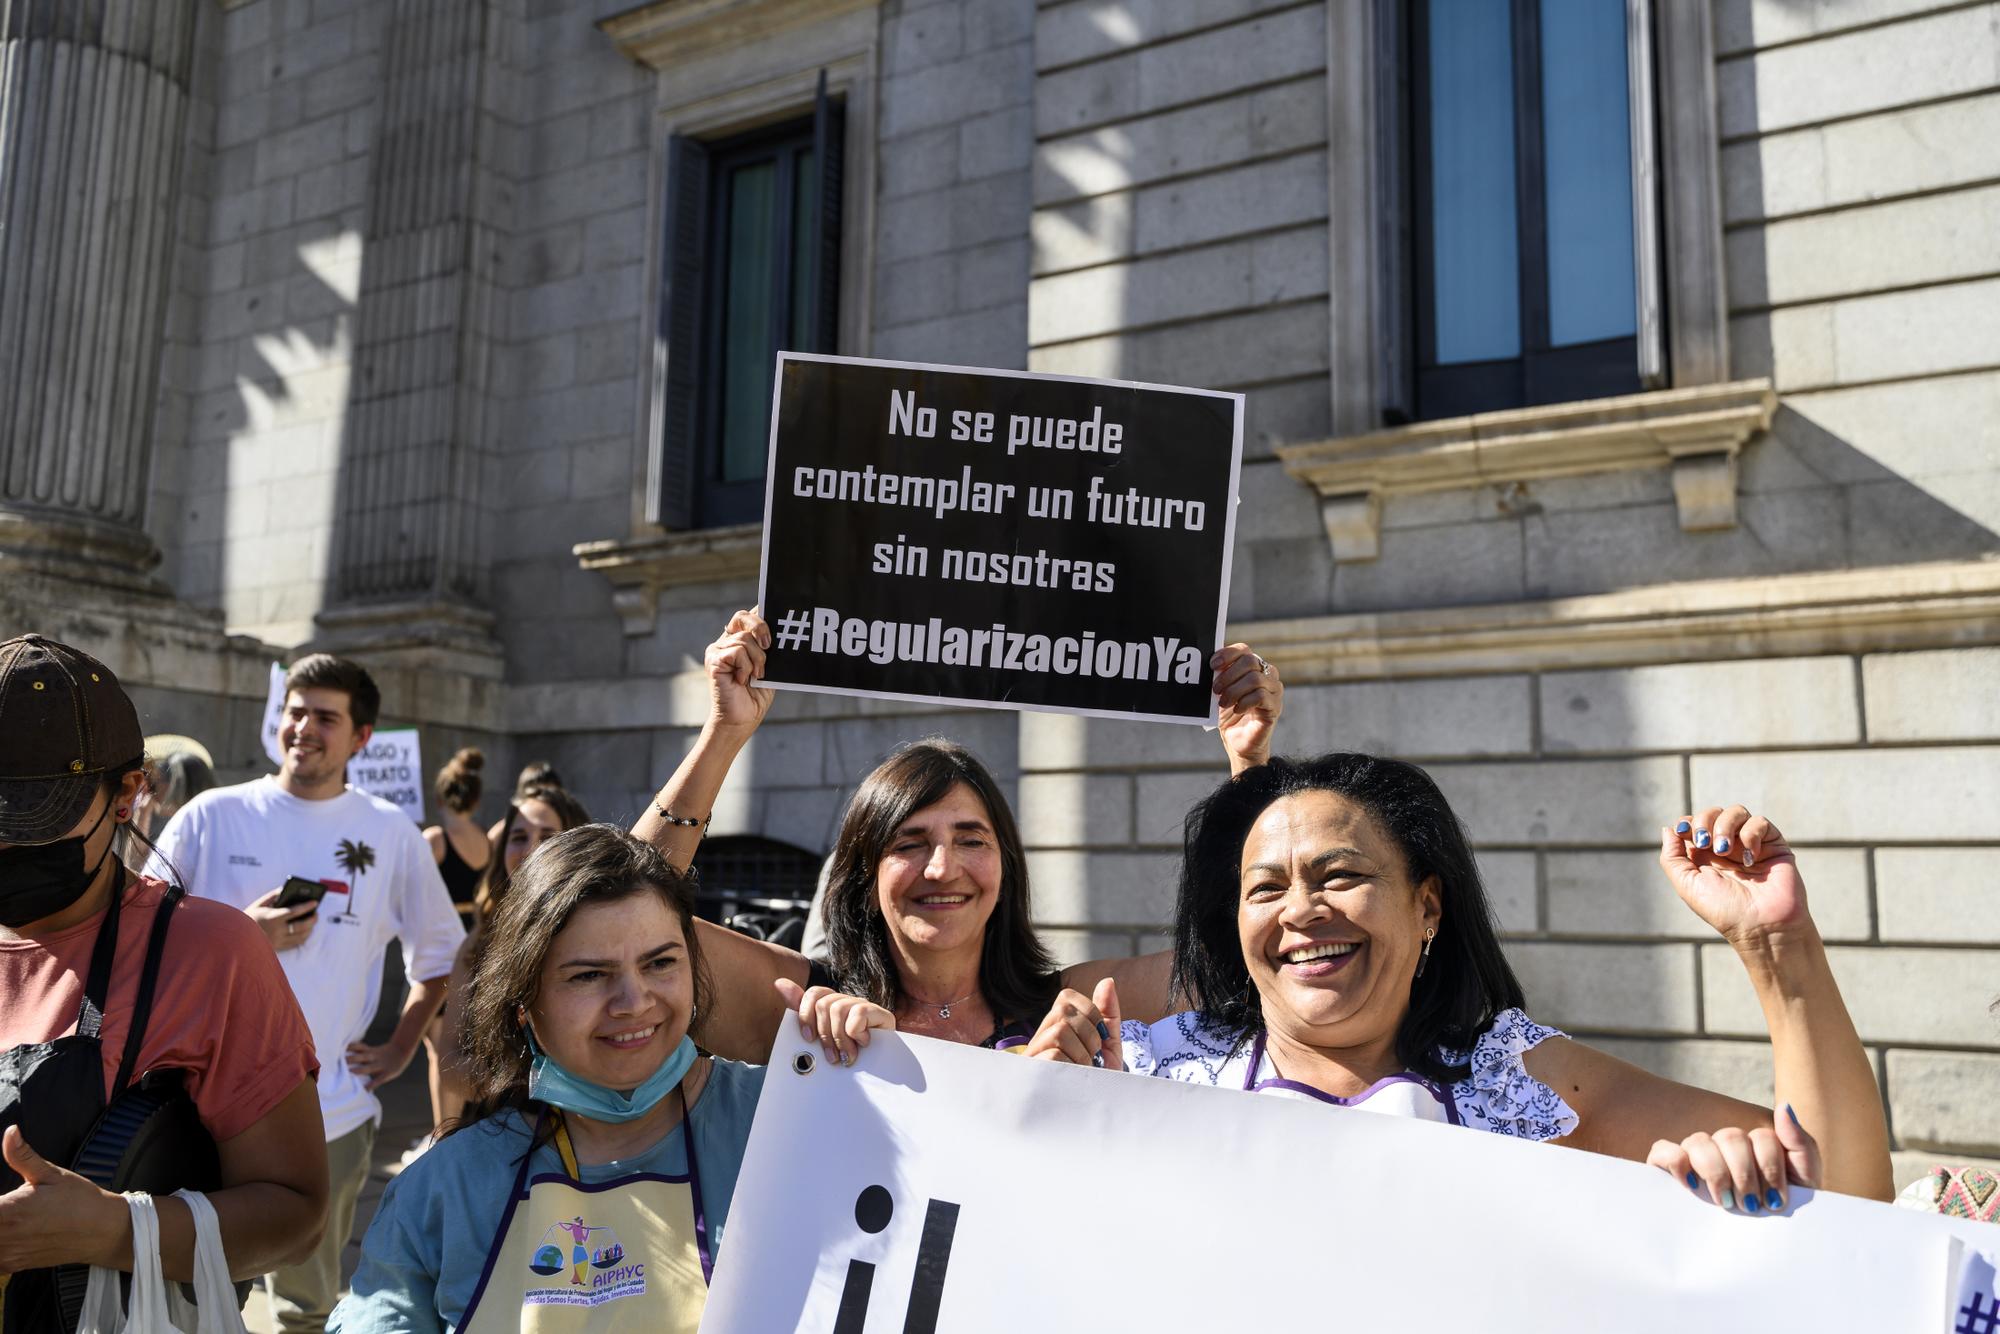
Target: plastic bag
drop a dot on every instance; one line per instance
(218, 1311)
(148, 1311)
(155, 1307)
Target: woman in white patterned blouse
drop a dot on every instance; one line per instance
(1332, 922)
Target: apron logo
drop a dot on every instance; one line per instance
(873, 1208)
(595, 1263)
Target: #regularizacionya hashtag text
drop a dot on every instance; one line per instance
(824, 630)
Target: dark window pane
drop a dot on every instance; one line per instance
(1475, 263)
(1586, 136)
(805, 196)
(747, 333)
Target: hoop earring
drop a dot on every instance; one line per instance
(1430, 934)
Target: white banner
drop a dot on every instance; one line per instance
(942, 1189)
(274, 715)
(391, 766)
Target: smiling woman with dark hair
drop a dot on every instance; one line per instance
(878, 875)
(928, 908)
(1332, 918)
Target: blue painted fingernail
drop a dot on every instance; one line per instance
(1729, 1200)
(1701, 838)
(1750, 1202)
(1794, 1115)
(1682, 827)
(1694, 1183)
(1722, 844)
(1773, 1201)
(1103, 1030)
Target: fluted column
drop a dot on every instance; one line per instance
(412, 501)
(93, 106)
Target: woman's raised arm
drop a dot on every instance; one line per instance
(679, 814)
(743, 970)
(1737, 873)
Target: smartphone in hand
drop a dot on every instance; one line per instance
(297, 890)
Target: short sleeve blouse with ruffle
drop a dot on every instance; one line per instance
(1497, 1094)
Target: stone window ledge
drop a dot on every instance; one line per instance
(640, 568)
(677, 32)
(1893, 609)
(1696, 432)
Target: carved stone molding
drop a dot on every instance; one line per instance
(1697, 432)
(673, 31)
(1941, 605)
(428, 633)
(639, 569)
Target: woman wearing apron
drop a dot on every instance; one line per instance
(588, 1185)
(116, 991)
(1333, 909)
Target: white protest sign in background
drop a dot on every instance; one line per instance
(274, 714)
(942, 1189)
(391, 766)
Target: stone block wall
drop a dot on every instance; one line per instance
(954, 151)
(269, 269)
(1180, 205)
(574, 365)
(1864, 264)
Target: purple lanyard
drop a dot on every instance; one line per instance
(1251, 1084)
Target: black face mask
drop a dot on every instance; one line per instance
(39, 880)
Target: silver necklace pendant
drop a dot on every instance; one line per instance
(944, 1012)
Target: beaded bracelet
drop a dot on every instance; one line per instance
(683, 822)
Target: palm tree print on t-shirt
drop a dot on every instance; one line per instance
(355, 858)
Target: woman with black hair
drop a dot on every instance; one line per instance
(1331, 916)
(928, 911)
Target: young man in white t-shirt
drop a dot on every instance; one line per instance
(240, 844)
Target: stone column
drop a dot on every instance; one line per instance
(93, 109)
(414, 509)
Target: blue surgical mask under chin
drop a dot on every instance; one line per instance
(551, 1084)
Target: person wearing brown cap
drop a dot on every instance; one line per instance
(119, 992)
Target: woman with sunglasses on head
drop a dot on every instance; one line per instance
(928, 912)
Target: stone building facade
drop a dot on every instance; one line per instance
(351, 323)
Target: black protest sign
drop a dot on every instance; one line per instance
(998, 538)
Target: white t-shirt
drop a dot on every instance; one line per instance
(237, 844)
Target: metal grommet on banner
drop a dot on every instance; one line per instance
(802, 1064)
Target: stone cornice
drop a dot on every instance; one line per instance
(1849, 611)
(1697, 432)
(639, 568)
(670, 32)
